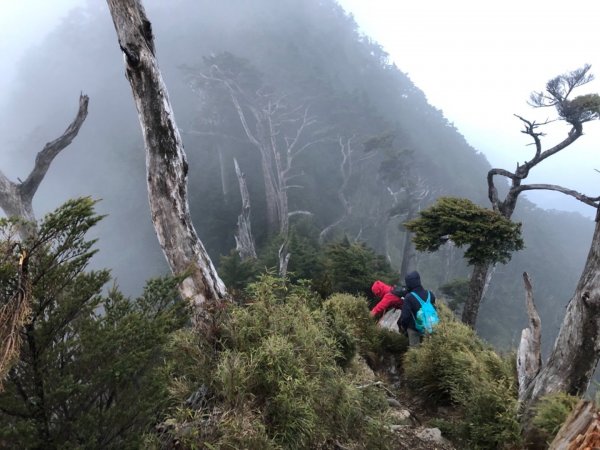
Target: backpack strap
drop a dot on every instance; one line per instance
(420, 299)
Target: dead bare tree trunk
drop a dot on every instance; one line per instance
(529, 355)
(346, 171)
(279, 133)
(224, 184)
(16, 198)
(576, 351)
(165, 158)
(244, 242)
(417, 193)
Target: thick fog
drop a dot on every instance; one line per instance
(48, 61)
(478, 62)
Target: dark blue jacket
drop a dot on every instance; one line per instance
(411, 305)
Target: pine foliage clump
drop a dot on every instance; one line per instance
(551, 412)
(90, 370)
(453, 366)
(490, 236)
(273, 380)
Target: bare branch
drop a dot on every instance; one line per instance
(575, 133)
(242, 116)
(299, 212)
(305, 123)
(244, 241)
(530, 130)
(45, 157)
(290, 158)
(492, 190)
(591, 201)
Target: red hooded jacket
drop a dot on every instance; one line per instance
(387, 300)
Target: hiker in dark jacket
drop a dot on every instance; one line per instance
(411, 306)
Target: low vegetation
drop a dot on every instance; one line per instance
(280, 375)
(284, 369)
(552, 411)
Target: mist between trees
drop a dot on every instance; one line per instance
(333, 142)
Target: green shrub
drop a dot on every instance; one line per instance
(91, 371)
(355, 330)
(551, 412)
(454, 366)
(351, 267)
(274, 381)
(340, 266)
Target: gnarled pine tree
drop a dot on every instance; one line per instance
(576, 112)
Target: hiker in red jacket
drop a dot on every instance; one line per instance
(387, 300)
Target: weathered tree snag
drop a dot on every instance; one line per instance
(346, 171)
(576, 351)
(577, 347)
(224, 184)
(418, 192)
(529, 355)
(16, 198)
(166, 163)
(244, 242)
(581, 430)
(284, 257)
(278, 131)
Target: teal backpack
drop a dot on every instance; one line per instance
(427, 317)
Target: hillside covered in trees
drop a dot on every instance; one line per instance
(307, 150)
(401, 153)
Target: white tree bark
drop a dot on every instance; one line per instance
(280, 135)
(165, 158)
(244, 242)
(576, 351)
(529, 355)
(346, 170)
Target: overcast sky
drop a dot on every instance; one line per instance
(475, 60)
(478, 61)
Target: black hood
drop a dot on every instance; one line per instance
(412, 280)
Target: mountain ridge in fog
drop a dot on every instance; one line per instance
(312, 52)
